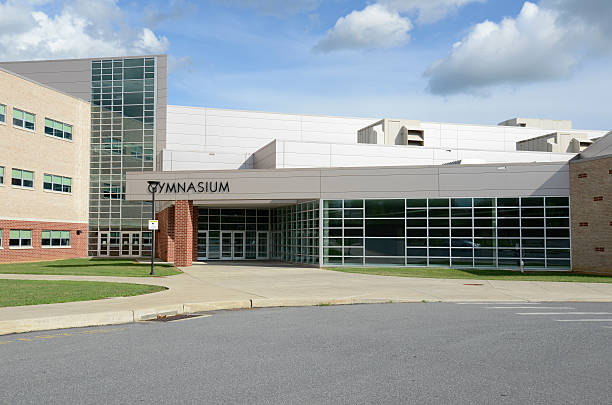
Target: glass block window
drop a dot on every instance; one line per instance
(60, 184)
(55, 238)
(457, 232)
(2, 113)
(20, 238)
(22, 178)
(23, 119)
(295, 233)
(1, 174)
(58, 129)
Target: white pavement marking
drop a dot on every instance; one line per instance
(564, 313)
(529, 308)
(583, 320)
(498, 303)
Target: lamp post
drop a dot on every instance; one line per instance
(152, 189)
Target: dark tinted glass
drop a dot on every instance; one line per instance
(384, 208)
(384, 227)
(384, 247)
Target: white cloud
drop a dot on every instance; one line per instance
(384, 24)
(373, 27)
(544, 42)
(427, 11)
(80, 29)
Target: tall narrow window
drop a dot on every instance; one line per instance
(2, 113)
(22, 178)
(1, 174)
(23, 119)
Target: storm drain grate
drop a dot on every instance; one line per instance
(170, 318)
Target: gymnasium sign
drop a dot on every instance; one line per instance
(190, 187)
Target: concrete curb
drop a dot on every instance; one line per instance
(137, 315)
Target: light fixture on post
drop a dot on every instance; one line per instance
(153, 223)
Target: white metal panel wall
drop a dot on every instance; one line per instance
(228, 138)
(310, 154)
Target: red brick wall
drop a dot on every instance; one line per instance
(591, 206)
(183, 228)
(78, 243)
(164, 237)
(176, 239)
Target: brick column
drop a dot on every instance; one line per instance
(183, 232)
(164, 240)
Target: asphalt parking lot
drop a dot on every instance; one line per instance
(426, 353)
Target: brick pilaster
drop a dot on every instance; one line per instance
(184, 232)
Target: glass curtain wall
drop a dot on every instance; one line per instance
(295, 233)
(458, 232)
(123, 94)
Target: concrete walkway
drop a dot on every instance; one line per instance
(205, 287)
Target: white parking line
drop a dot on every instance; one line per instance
(564, 313)
(583, 320)
(529, 308)
(499, 303)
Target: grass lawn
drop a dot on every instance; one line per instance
(474, 274)
(89, 267)
(32, 292)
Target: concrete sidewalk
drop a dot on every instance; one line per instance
(206, 287)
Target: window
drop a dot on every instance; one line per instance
(1, 174)
(55, 238)
(23, 119)
(20, 238)
(2, 113)
(58, 129)
(60, 184)
(0, 238)
(22, 178)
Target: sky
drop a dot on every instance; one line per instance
(467, 61)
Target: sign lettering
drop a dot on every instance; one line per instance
(191, 187)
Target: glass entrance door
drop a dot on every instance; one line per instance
(226, 245)
(238, 248)
(262, 245)
(202, 245)
(125, 244)
(135, 244)
(232, 245)
(103, 244)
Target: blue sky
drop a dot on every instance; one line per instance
(471, 61)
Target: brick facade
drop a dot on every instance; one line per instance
(78, 243)
(175, 239)
(591, 208)
(164, 237)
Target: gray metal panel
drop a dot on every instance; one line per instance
(601, 147)
(70, 76)
(504, 180)
(161, 109)
(265, 157)
(365, 182)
